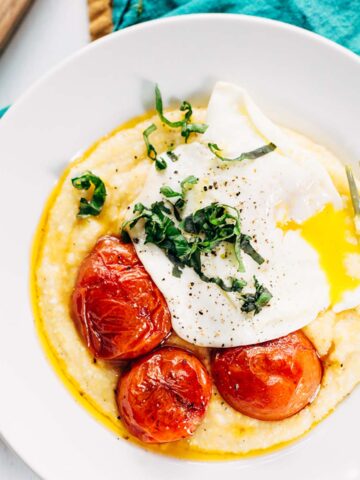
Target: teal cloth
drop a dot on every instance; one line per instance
(3, 111)
(338, 20)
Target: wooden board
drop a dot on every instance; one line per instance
(11, 12)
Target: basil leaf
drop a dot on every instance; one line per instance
(237, 249)
(252, 155)
(150, 149)
(173, 157)
(235, 285)
(160, 110)
(355, 198)
(254, 302)
(139, 207)
(94, 205)
(178, 206)
(188, 183)
(176, 271)
(209, 226)
(245, 245)
(187, 108)
(160, 164)
(168, 192)
(186, 127)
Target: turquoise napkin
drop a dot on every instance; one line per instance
(3, 110)
(338, 20)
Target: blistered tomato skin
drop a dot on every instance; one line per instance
(164, 396)
(117, 308)
(271, 380)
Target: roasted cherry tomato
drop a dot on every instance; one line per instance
(116, 306)
(164, 396)
(271, 380)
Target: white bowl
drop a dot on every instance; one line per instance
(298, 78)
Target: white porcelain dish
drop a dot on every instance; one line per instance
(300, 79)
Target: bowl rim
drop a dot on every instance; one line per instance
(149, 25)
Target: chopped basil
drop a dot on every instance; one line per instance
(217, 223)
(186, 127)
(161, 230)
(355, 198)
(246, 247)
(254, 302)
(168, 192)
(252, 155)
(93, 206)
(208, 227)
(150, 149)
(188, 183)
(173, 157)
(160, 163)
(160, 111)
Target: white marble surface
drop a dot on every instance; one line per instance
(52, 30)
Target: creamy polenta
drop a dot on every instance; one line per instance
(62, 242)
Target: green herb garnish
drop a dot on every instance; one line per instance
(150, 149)
(185, 185)
(168, 192)
(161, 230)
(217, 223)
(160, 163)
(252, 155)
(173, 157)
(188, 183)
(254, 302)
(185, 124)
(93, 206)
(355, 198)
(209, 226)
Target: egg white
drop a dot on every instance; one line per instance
(287, 184)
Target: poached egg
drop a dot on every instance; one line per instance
(298, 221)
